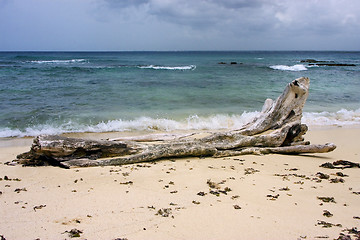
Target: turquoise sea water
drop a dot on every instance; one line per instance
(57, 92)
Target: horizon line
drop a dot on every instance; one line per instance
(4, 51)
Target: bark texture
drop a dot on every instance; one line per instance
(277, 129)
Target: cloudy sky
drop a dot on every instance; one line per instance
(126, 25)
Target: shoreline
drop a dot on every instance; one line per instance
(267, 197)
(27, 140)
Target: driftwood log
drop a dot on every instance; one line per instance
(277, 129)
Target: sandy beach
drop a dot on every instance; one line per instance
(245, 197)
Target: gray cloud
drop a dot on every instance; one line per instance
(196, 14)
(179, 24)
(124, 3)
(251, 15)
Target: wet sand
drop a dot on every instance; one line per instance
(245, 197)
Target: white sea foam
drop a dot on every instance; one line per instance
(340, 118)
(294, 68)
(189, 67)
(215, 122)
(31, 131)
(59, 61)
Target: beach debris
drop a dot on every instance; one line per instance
(250, 171)
(327, 199)
(213, 184)
(39, 207)
(11, 163)
(235, 197)
(327, 165)
(292, 169)
(236, 207)
(343, 237)
(340, 174)
(327, 224)
(273, 197)
(238, 159)
(76, 180)
(18, 190)
(356, 217)
(340, 164)
(127, 183)
(201, 193)
(346, 164)
(277, 129)
(322, 175)
(352, 230)
(225, 191)
(356, 193)
(326, 213)
(216, 193)
(196, 202)
(2, 237)
(284, 189)
(6, 178)
(73, 233)
(143, 165)
(120, 239)
(337, 180)
(164, 212)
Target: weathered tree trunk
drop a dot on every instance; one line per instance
(277, 129)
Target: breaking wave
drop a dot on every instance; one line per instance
(193, 122)
(215, 122)
(340, 118)
(294, 68)
(189, 67)
(59, 61)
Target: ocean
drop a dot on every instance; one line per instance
(75, 92)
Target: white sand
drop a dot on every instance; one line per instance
(103, 204)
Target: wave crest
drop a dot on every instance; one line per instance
(194, 122)
(343, 117)
(294, 68)
(59, 61)
(189, 67)
(215, 122)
